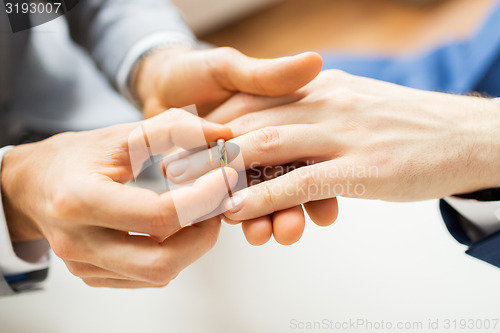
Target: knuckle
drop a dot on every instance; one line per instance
(94, 283)
(247, 121)
(306, 179)
(163, 220)
(224, 52)
(257, 83)
(63, 246)
(220, 60)
(74, 269)
(160, 271)
(267, 139)
(337, 74)
(219, 63)
(268, 197)
(64, 204)
(175, 114)
(344, 99)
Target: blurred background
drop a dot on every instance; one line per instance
(380, 262)
(269, 28)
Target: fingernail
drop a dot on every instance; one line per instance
(232, 205)
(177, 168)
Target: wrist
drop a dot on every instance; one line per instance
(14, 189)
(149, 71)
(485, 147)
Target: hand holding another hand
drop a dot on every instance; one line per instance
(177, 77)
(70, 189)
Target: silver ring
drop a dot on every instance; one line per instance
(221, 146)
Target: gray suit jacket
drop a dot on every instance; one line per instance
(45, 83)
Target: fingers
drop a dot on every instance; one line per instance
(116, 206)
(323, 212)
(205, 196)
(269, 77)
(269, 146)
(144, 259)
(186, 166)
(280, 116)
(258, 231)
(175, 127)
(242, 104)
(311, 183)
(288, 225)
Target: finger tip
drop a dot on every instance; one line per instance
(288, 227)
(288, 240)
(258, 232)
(300, 70)
(325, 220)
(290, 233)
(314, 58)
(258, 242)
(258, 239)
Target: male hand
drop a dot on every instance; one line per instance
(69, 189)
(180, 76)
(360, 138)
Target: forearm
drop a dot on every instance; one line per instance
(484, 139)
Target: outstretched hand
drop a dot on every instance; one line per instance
(358, 138)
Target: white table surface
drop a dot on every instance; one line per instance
(380, 261)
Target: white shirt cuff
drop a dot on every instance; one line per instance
(161, 39)
(483, 214)
(10, 263)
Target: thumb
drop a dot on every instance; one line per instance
(267, 77)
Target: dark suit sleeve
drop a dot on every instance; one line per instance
(486, 248)
(107, 29)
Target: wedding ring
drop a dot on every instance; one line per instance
(221, 146)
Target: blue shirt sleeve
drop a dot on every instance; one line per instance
(460, 66)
